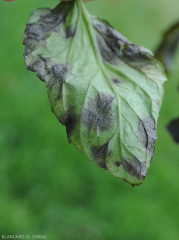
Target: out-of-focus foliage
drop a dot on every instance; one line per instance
(166, 53)
(168, 47)
(47, 187)
(173, 128)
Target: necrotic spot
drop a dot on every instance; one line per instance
(42, 29)
(99, 154)
(116, 81)
(57, 15)
(33, 32)
(107, 52)
(109, 42)
(70, 31)
(135, 168)
(117, 164)
(131, 52)
(70, 121)
(98, 113)
(60, 72)
(40, 67)
(147, 133)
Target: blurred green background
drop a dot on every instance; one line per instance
(46, 185)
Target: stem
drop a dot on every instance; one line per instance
(87, 19)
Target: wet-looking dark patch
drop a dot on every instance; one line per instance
(110, 42)
(131, 52)
(147, 133)
(116, 81)
(117, 164)
(173, 128)
(135, 168)
(70, 121)
(40, 67)
(60, 72)
(58, 14)
(98, 113)
(99, 155)
(70, 31)
(42, 29)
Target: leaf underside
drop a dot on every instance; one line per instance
(104, 89)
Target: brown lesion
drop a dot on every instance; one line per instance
(147, 133)
(100, 154)
(71, 120)
(117, 164)
(135, 168)
(116, 81)
(42, 29)
(98, 112)
(71, 31)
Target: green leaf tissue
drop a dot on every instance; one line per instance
(106, 90)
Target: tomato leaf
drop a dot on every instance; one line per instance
(104, 89)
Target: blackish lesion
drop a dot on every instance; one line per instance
(116, 81)
(71, 31)
(71, 119)
(41, 67)
(100, 154)
(117, 164)
(147, 134)
(111, 43)
(42, 29)
(114, 46)
(60, 73)
(98, 113)
(135, 168)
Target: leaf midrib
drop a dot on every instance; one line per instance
(100, 62)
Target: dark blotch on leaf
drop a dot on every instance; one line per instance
(98, 113)
(57, 15)
(99, 154)
(40, 68)
(173, 128)
(60, 72)
(34, 32)
(70, 31)
(131, 51)
(110, 42)
(107, 53)
(114, 47)
(116, 81)
(47, 24)
(136, 57)
(117, 164)
(135, 168)
(148, 134)
(70, 121)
